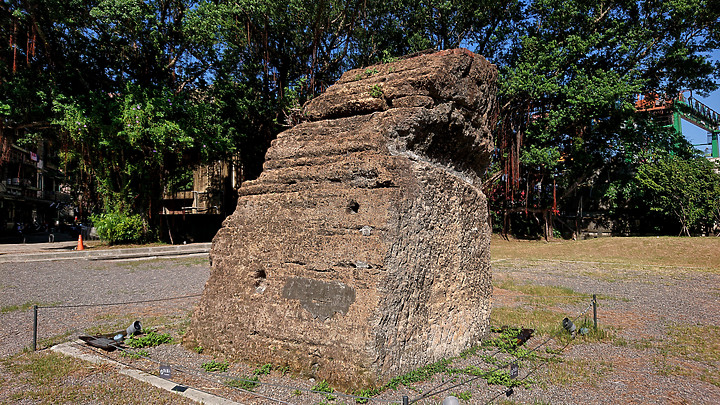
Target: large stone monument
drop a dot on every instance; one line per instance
(362, 251)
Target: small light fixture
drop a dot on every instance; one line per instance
(133, 329)
(451, 400)
(569, 326)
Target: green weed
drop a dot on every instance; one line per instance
(150, 339)
(211, 366)
(265, 369)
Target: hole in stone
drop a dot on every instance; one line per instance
(259, 276)
(353, 206)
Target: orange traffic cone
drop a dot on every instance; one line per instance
(80, 243)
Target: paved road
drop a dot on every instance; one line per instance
(73, 282)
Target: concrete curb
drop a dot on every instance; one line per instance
(70, 349)
(109, 254)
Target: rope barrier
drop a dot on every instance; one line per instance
(434, 391)
(116, 303)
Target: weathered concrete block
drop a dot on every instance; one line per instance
(362, 251)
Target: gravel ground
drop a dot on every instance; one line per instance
(52, 285)
(642, 308)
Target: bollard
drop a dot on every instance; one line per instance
(595, 311)
(406, 400)
(35, 327)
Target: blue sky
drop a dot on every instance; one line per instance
(697, 135)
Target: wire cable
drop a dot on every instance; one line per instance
(528, 353)
(117, 303)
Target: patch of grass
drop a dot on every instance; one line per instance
(26, 306)
(150, 339)
(576, 371)
(634, 251)
(47, 377)
(211, 366)
(139, 354)
(246, 383)
(41, 367)
(376, 91)
(541, 294)
(463, 396)
(695, 342)
(542, 320)
(53, 340)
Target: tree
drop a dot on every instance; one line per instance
(684, 190)
(568, 85)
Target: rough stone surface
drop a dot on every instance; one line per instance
(362, 251)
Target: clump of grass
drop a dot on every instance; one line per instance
(576, 371)
(542, 320)
(150, 339)
(541, 294)
(139, 354)
(211, 366)
(695, 342)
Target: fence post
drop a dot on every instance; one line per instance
(35, 308)
(595, 311)
(406, 400)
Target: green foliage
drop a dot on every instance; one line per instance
(366, 393)
(150, 339)
(419, 374)
(265, 369)
(376, 91)
(210, 366)
(567, 88)
(138, 92)
(118, 228)
(245, 383)
(506, 342)
(685, 190)
(323, 386)
(463, 396)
